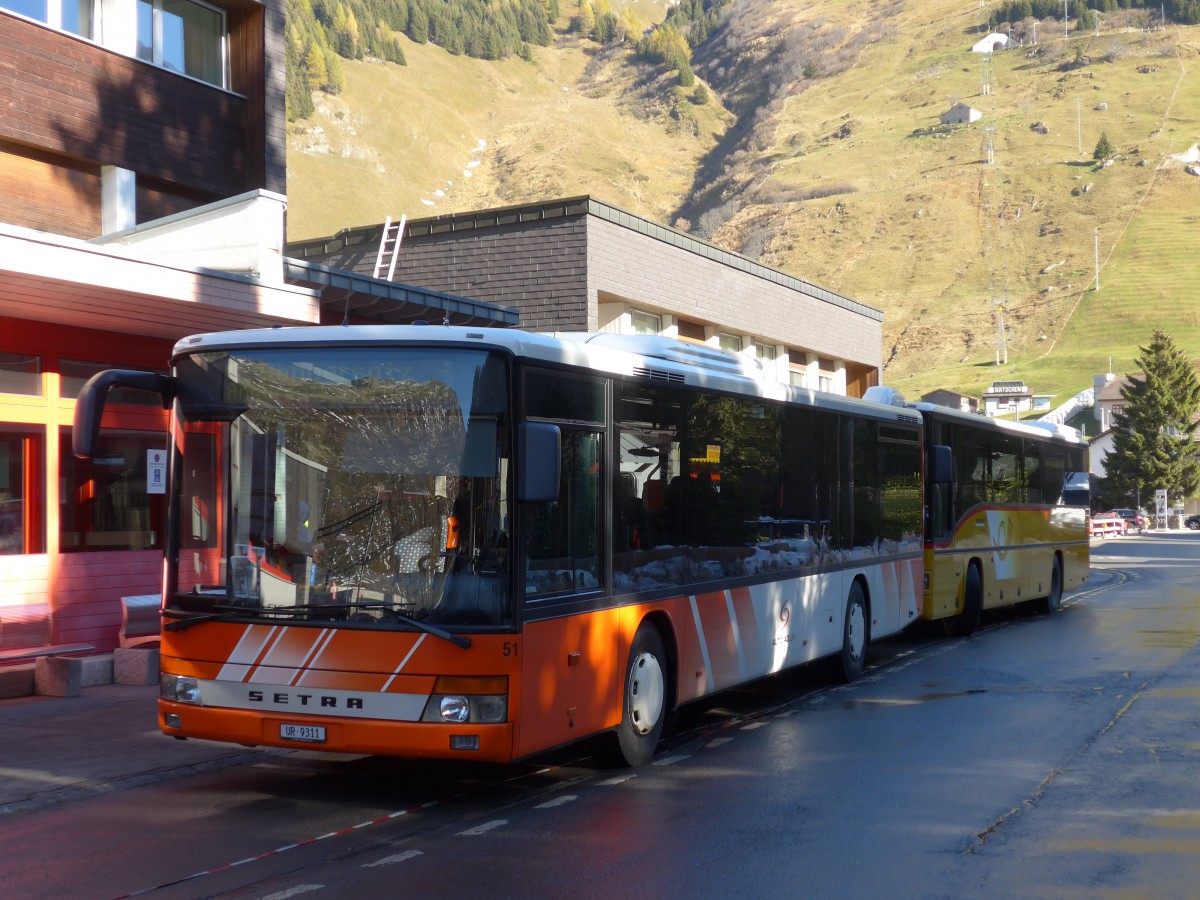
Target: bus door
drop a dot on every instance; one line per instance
(569, 683)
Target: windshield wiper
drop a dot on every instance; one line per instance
(185, 620)
(459, 640)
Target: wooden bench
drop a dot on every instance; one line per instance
(141, 624)
(25, 635)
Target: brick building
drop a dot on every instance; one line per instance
(141, 199)
(579, 264)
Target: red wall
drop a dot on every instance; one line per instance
(90, 588)
(82, 589)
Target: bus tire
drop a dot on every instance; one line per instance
(967, 620)
(1052, 602)
(856, 634)
(644, 706)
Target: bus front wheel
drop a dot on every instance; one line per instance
(967, 620)
(643, 709)
(856, 634)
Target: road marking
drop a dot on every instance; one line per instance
(619, 779)
(295, 892)
(670, 760)
(717, 742)
(396, 858)
(754, 726)
(557, 801)
(484, 828)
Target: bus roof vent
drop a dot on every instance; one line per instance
(685, 353)
(658, 375)
(888, 396)
(905, 417)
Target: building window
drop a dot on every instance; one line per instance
(646, 323)
(764, 352)
(730, 342)
(690, 331)
(20, 373)
(183, 36)
(105, 501)
(21, 529)
(74, 16)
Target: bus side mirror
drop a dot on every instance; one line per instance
(941, 465)
(89, 408)
(539, 455)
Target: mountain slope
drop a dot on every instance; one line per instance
(820, 153)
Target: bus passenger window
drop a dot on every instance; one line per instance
(562, 538)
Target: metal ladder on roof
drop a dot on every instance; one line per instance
(389, 246)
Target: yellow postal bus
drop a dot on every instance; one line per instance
(996, 531)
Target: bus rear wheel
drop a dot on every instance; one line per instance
(856, 634)
(644, 707)
(967, 620)
(1053, 601)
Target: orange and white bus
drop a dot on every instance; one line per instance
(1000, 530)
(463, 543)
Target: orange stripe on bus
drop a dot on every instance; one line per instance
(719, 638)
(747, 621)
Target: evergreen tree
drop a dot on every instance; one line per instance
(345, 33)
(587, 18)
(605, 31)
(1153, 434)
(1084, 17)
(336, 79)
(314, 66)
(418, 24)
(687, 77)
(298, 100)
(1104, 149)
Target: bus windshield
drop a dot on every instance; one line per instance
(357, 485)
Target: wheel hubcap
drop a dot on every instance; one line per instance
(647, 693)
(856, 631)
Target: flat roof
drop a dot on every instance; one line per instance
(586, 205)
(391, 302)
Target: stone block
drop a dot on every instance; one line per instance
(135, 665)
(58, 676)
(97, 669)
(16, 681)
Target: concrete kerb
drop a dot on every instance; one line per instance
(66, 676)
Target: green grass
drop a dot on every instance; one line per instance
(923, 228)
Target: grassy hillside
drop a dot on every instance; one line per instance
(575, 121)
(820, 153)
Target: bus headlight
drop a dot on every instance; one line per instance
(489, 709)
(454, 709)
(180, 688)
(468, 699)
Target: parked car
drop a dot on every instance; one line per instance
(1134, 520)
(1192, 522)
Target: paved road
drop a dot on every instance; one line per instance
(1042, 757)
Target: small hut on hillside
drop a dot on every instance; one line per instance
(992, 43)
(960, 114)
